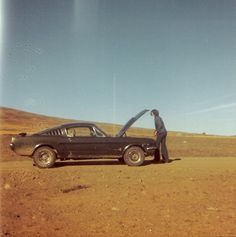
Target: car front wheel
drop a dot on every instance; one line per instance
(134, 156)
(44, 157)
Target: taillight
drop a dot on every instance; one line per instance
(13, 139)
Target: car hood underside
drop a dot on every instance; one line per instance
(130, 123)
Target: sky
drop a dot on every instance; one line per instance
(106, 60)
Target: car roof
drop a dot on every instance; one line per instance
(68, 125)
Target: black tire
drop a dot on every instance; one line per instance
(44, 157)
(121, 160)
(134, 156)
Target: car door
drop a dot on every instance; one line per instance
(108, 146)
(104, 145)
(80, 142)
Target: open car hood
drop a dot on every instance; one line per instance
(130, 123)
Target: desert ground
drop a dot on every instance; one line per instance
(193, 195)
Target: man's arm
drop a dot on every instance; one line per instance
(157, 124)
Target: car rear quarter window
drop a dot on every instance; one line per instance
(54, 132)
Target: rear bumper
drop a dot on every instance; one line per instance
(12, 146)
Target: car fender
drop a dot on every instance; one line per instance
(43, 144)
(131, 145)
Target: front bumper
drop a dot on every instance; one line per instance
(151, 150)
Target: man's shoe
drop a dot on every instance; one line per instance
(165, 161)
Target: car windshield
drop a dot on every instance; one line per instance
(99, 132)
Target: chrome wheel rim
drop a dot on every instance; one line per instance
(134, 156)
(45, 157)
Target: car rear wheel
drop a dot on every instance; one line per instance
(44, 157)
(134, 156)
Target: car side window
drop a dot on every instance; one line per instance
(79, 132)
(70, 132)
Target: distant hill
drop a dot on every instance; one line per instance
(13, 121)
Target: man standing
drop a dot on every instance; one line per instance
(161, 135)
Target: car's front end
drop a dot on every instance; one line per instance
(150, 148)
(148, 145)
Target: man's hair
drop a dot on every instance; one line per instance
(155, 112)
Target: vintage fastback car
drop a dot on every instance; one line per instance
(83, 141)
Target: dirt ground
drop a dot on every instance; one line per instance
(193, 196)
(187, 197)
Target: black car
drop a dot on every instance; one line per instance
(83, 141)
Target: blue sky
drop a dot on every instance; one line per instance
(105, 60)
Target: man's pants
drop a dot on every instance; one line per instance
(161, 143)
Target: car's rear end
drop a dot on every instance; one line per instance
(21, 144)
